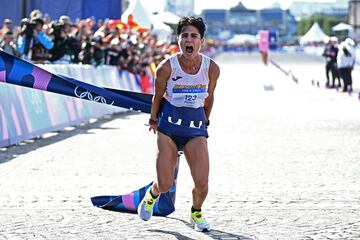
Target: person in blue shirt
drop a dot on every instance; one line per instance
(33, 44)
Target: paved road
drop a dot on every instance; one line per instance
(284, 165)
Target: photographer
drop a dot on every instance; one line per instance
(33, 43)
(66, 47)
(92, 52)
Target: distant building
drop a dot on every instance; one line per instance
(306, 9)
(180, 7)
(243, 20)
(216, 21)
(271, 18)
(240, 20)
(277, 19)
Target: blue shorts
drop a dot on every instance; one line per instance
(179, 141)
(181, 124)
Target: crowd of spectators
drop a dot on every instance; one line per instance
(42, 40)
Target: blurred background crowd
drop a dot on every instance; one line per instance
(127, 40)
(41, 39)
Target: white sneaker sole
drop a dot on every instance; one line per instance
(207, 229)
(142, 217)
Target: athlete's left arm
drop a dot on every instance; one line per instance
(214, 73)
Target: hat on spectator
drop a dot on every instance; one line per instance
(7, 21)
(333, 39)
(35, 14)
(65, 20)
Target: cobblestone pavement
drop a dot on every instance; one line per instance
(284, 165)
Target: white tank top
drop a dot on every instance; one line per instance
(187, 90)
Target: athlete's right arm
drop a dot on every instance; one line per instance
(162, 74)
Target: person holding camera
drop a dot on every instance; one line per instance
(66, 47)
(33, 44)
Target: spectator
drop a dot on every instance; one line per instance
(33, 43)
(66, 46)
(330, 54)
(92, 52)
(99, 54)
(35, 14)
(346, 62)
(47, 24)
(8, 45)
(6, 27)
(114, 49)
(86, 53)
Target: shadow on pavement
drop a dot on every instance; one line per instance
(11, 152)
(175, 234)
(214, 234)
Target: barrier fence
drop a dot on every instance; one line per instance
(27, 113)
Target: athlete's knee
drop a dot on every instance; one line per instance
(164, 185)
(202, 185)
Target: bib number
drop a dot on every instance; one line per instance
(190, 99)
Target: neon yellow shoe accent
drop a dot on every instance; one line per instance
(145, 208)
(197, 218)
(150, 202)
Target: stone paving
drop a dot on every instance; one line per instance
(284, 165)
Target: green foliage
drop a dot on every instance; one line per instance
(325, 22)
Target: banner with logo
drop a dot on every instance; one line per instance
(26, 113)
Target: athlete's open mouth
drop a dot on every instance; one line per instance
(189, 49)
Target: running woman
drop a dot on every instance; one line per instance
(180, 112)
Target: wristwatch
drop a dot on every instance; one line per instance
(152, 122)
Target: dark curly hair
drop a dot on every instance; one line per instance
(197, 22)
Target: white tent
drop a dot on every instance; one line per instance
(342, 27)
(167, 17)
(241, 39)
(161, 30)
(146, 20)
(140, 15)
(315, 34)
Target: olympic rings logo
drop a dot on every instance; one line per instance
(87, 95)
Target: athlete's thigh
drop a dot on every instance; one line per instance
(166, 158)
(197, 156)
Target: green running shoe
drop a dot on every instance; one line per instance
(199, 222)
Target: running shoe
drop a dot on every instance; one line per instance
(145, 208)
(198, 220)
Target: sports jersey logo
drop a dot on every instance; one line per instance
(183, 88)
(177, 78)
